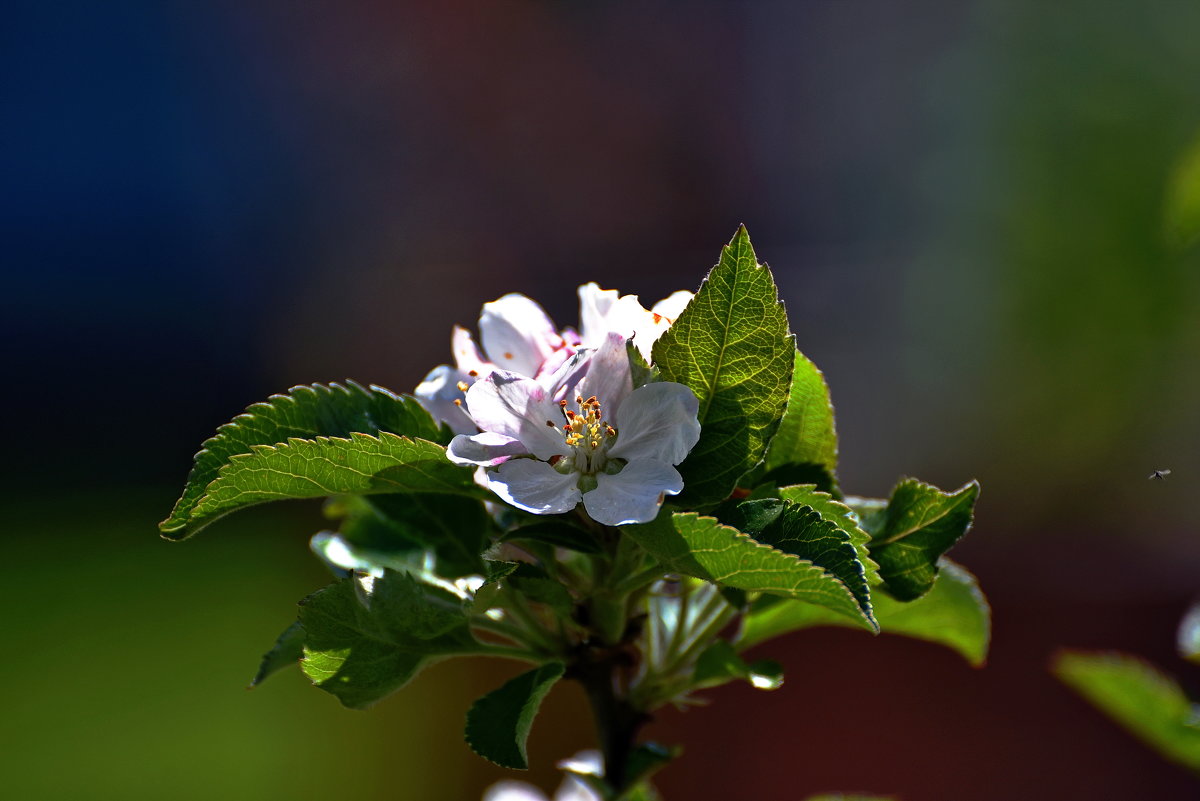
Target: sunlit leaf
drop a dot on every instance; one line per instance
(1146, 702)
(333, 410)
(731, 346)
(702, 547)
(954, 614)
(327, 466)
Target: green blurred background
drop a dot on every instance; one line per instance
(977, 214)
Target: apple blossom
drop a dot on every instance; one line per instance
(612, 447)
(518, 336)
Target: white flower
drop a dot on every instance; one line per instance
(573, 788)
(605, 311)
(518, 336)
(613, 448)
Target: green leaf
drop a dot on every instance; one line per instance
(286, 651)
(557, 533)
(731, 346)
(840, 515)
(1189, 635)
(640, 372)
(498, 724)
(535, 584)
(702, 547)
(1149, 704)
(920, 524)
(806, 435)
(333, 410)
(456, 529)
(802, 531)
(720, 663)
(362, 646)
(326, 466)
(791, 474)
(954, 614)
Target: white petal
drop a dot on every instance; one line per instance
(594, 304)
(519, 408)
(517, 335)
(673, 305)
(484, 450)
(467, 355)
(535, 486)
(509, 790)
(562, 382)
(657, 421)
(634, 495)
(608, 375)
(658, 320)
(437, 394)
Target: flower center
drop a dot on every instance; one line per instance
(588, 435)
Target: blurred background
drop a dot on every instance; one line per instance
(968, 210)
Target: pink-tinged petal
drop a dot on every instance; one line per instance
(608, 376)
(594, 306)
(467, 355)
(484, 450)
(571, 337)
(634, 495)
(535, 486)
(520, 408)
(673, 305)
(437, 394)
(657, 421)
(563, 381)
(517, 335)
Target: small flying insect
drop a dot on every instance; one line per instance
(1161, 475)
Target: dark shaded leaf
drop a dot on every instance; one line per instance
(920, 524)
(498, 724)
(361, 647)
(286, 651)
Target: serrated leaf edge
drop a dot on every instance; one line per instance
(275, 400)
(867, 613)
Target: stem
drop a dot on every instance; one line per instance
(531, 627)
(617, 721)
(504, 652)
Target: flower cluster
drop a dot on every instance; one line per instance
(554, 417)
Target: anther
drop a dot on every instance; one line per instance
(458, 401)
(551, 424)
(463, 386)
(473, 374)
